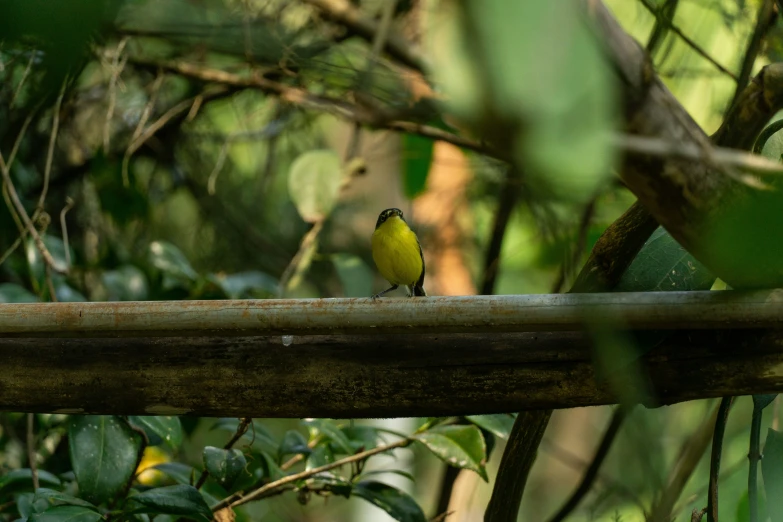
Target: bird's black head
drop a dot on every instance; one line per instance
(386, 214)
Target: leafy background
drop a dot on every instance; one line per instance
(216, 203)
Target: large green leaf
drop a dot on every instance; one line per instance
(171, 500)
(13, 293)
(663, 265)
(417, 153)
(104, 450)
(314, 182)
(507, 68)
(177, 471)
(772, 471)
(293, 443)
(22, 480)
(461, 446)
(498, 424)
(45, 499)
(224, 465)
(355, 276)
(329, 430)
(67, 514)
(396, 503)
(160, 429)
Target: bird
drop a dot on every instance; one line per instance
(397, 253)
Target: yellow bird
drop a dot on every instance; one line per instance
(397, 253)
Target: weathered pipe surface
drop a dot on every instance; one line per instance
(369, 376)
(470, 314)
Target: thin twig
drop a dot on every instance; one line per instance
(241, 430)
(22, 80)
(118, 64)
(145, 441)
(365, 79)
(50, 151)
(618, 417)
(696, 47)
(17, 204)
(344, 13)
(688, 458)
(507, 200)
(137, 133)
(302, 98)
(64, 227)
(238, 499)
(568, 266)
(764, 22)
(31, 451)
(717, 450)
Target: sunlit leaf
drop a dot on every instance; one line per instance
(321, 455)
(355, 276)
(224, 465)
(55, 246)
(103, 452)
(313, 183)
(160, 429)
(461, 446)
(399, 505)
(172, 500)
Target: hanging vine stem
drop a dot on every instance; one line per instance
(717, 450)
(754, 454)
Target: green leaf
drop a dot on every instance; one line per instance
(553, 109)
(250, 284)
(498, 424)
(361, 438)
(224, 465)
(293, 443)
(66, 514)
(13, 293)
(762, 401)
(67, 294)
(321, 455)
(772, 472)
(22, 480)
(127, 283)
(45, 499)
(179, 472)
(257, 433)
(329, 430)
(663, 265)
(159, 429)
(396, 503)
(103, 451)
(172, 263)
(171, 500)
(314, 182)
(417, 153)
(355, 276)
(35, 261)
(460, 446)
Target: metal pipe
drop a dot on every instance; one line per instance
(511, 313)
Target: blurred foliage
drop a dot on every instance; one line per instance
(194, 188)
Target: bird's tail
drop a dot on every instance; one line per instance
(418, 290)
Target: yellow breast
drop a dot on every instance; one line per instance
(396, 252)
